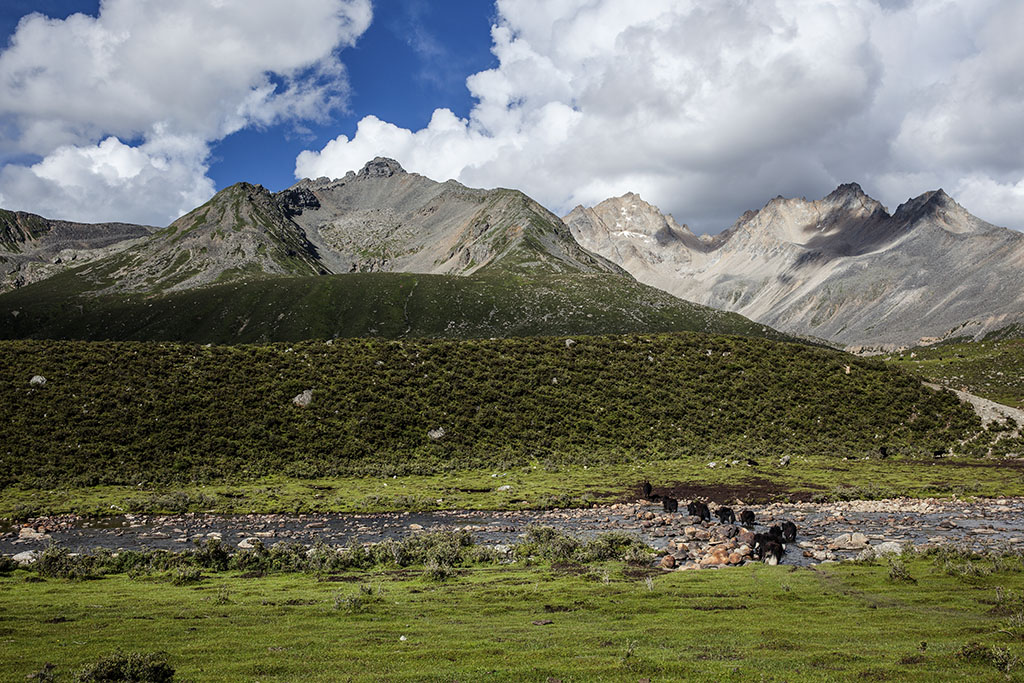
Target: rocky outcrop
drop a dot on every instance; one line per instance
(242, 233)
(840, 268)
(33, 248)
(383, 219)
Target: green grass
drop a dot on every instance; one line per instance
(390, 305)
(149, 413)
(756, 623)
(993, 369)
(535, 486)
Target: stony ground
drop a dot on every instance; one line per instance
(826, 532)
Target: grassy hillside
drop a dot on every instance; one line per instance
(993, 369)
(128, 413)
(391, 305)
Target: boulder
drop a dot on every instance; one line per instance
(854, 541)
(886, 548)
(37, 381)
(667, 562)
(26, 558)
(27, 533)
(304, 399)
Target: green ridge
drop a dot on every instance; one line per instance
(389, 305)
(125, 413)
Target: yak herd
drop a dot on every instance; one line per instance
(769, 547)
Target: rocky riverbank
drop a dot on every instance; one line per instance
(825, 531)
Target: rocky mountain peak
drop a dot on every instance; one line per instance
(938, 207)
(845, 191)
(381, 167)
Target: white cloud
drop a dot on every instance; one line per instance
(1000, 203)
(114, 181)
(708, 109)
(174, 75)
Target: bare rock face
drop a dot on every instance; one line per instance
(840, 268)
(33, 248)
(385, 219)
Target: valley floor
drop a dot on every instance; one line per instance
(544, 486)
(917, 618)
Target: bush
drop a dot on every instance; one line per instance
(58, 563)
(149, 667)
(213, 554)
(184, 576)
(547, 543)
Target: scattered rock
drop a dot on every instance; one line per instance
(26, 558)
(304, 399)
(854, 541)
(668, 562)
(37, 381)
(504, 487)
(28, 533)
(888, 548)
(784, 460)
(436, 434)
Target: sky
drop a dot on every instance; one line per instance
(139, 110)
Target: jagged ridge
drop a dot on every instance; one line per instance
(840, 268)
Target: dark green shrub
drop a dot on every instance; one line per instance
(133, 667)
(213, 554)
(185, 576)
(58, 563)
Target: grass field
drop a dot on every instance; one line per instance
(536, 486)
(919, 618)
(993, 369)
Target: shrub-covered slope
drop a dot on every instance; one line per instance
(148, 412)
(993, 369)
(391, 305)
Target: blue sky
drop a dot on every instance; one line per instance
(139, 110)
(414, 58)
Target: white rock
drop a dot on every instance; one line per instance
(888, 548)
(436, 434)
(304, 399)
(37, 381)
(27, 557)
(27, 533)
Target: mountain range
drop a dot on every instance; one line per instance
(389, 253)
(841, 268)
(381, 252)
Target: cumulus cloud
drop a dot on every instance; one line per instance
(123, 101)
(708, 109)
